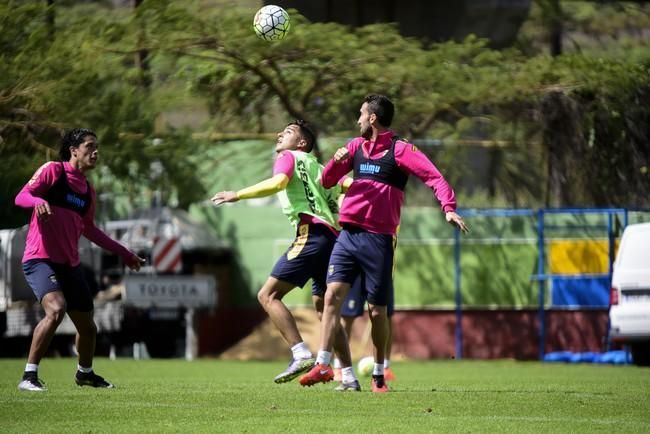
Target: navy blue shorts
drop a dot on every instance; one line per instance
(44, 277)
(307, 258)
(355, 301)
(359, 252)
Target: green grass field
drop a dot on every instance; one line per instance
(226, 396)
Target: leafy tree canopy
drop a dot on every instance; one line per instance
(552, 124)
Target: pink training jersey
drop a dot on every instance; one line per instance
(375, 206)
(57, 239)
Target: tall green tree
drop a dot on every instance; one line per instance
(53, 80)
(554, 123)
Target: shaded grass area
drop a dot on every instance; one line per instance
(230, 396)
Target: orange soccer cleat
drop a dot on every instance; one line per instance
(318, 374)
(379, 384)
(389, 375)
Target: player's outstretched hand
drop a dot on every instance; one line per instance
(224, 196)
(457, 221)
(43, 211)
(135, 262)
(341, 155)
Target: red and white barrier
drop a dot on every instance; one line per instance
(166, 255)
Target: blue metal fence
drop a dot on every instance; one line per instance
(542, 277)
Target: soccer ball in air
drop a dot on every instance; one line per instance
(271, 23)
(365, 366)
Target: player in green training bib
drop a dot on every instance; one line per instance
(313, 211)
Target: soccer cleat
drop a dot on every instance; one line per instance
(389, 375)
(352, 386)
(318, 374)
(338, 374)
(91, 379)
(295, 368)
(31, 383)
(378, 384)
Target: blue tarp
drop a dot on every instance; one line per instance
(580, 291)
(613, 357)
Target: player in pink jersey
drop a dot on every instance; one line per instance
(64, 209)
(369, 215)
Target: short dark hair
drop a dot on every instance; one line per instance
(306, 132)
(74, 138)
(382, 107)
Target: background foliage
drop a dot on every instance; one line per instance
(165, 83)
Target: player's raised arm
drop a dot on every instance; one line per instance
(283, 169)
(264, 188)
(339, 166)
(412, 160)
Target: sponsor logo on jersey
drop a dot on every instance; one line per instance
(309, 194)
(369, 168)
(75, 200)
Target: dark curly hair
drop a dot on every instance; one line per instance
(74, 138)
(306, 132)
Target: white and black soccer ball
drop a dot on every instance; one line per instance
(271, 23)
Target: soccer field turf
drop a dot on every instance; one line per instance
(228, 396)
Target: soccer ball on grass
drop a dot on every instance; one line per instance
(271, 23)
(365, 366)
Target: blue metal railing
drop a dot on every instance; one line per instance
(541, 276)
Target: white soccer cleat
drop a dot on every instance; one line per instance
(31, 383)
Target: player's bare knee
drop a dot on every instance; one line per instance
(55, 313)
(332, 298)
(377, 313)
(266, 296)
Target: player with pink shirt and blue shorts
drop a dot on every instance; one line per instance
(313, 211)
(64, 209)
(369, 216)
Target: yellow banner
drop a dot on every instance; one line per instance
(579, 256)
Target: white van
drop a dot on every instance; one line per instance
(629, 312)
